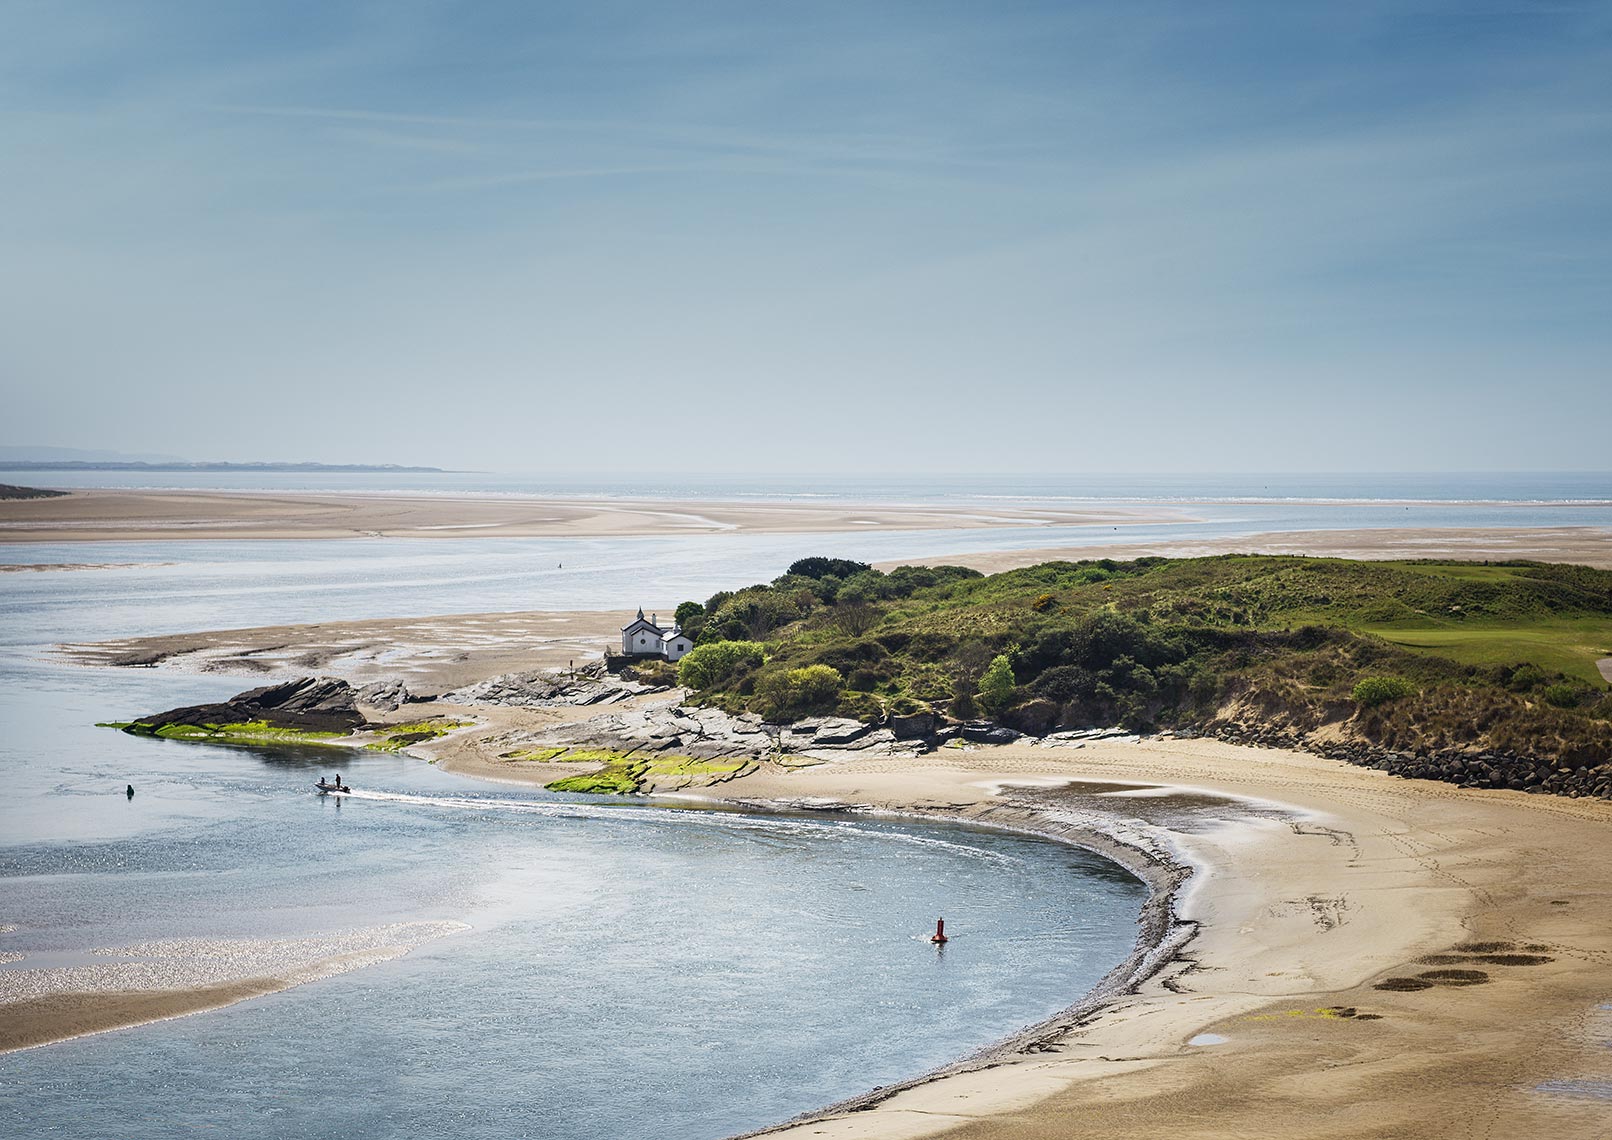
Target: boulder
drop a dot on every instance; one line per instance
(385, 695)
(308, 704)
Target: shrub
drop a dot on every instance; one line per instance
(793, 693)
(718, 661)
(1562, 695)
(652, 672)
(1526, 677)
(1370, 692)
(1043, 603)
(997, 685)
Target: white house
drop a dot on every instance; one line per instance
(643, 637)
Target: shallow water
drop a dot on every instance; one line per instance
(620, 970)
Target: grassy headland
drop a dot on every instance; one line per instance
(1415, 656)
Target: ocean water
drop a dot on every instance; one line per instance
(604, 969)
(1363, 487)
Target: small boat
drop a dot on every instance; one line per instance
(325, 787)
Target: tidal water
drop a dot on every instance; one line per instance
(1358, 487)
(602, 968)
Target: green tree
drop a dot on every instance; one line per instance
(997, 685)
(819, 567)
(711, 664)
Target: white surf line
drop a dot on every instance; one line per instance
(779, 824)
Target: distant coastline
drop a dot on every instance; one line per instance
(136, 465)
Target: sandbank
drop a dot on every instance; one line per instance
(429, 654)
(144, 516)
(63, 1016)
(124, 986)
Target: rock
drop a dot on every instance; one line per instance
(838, 731)
(308, 704)
(983, 732)
(385, 695)
(918, 726)
(550, 690)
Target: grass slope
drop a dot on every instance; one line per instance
(1487, 654)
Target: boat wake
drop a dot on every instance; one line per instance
(758, 826)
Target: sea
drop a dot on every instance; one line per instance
(514, 962)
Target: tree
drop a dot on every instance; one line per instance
(997, 685)
(856, 618)
(688, 612)
(820, 567)
(863, 586)
(706, 666)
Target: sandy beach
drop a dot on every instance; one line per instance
(1307, 919)
(135, 516)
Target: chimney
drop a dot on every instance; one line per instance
(654, 619)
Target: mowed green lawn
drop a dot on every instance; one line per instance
(1571, 645)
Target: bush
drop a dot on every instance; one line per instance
(1043, 603)
(793, 693)
(997, 685)
(1562, 695)
(718, 661)
(1370, 692)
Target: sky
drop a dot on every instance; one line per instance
(865, 237)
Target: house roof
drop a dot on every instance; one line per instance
(641, 622)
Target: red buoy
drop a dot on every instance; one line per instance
(940, 932)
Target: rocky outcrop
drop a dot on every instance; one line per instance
(308, 704)
(710, 734)
(543, 690)
(1467, 768)
(388, 696)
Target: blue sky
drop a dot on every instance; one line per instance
(871, 237)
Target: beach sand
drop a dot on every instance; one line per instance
(1358, 879)
(1585, 545)
(141, 516)
(63, 1016)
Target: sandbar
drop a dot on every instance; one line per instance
(147, 516)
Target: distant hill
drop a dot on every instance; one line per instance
(125, 465)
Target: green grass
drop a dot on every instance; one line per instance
(420, 731)
(535, 755)
(625, 773)
(1570, 647)
(247, 732)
